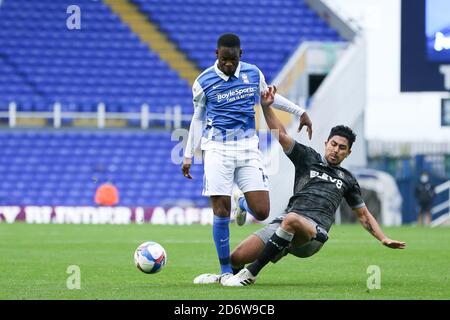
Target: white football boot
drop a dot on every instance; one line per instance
(241, 279)
(240, 215)
(208, 278)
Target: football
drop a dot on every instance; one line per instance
(150, 257)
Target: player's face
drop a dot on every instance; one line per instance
(336, 150)
(228, 59)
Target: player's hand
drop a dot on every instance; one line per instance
(305, 121)
(268, 96)
(393, 244)
(186, 167)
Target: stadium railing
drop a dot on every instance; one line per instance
(172, 116)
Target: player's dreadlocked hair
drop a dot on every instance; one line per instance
(229, 40)
(345, 132)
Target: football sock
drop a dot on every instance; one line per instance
(277, 243)
(244, 206)
(221, 235)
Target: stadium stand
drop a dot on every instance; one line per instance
(270, 30)
(105, 61)
(65, 168)
(43, 62)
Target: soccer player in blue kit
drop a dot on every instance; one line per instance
(223, 123)
(320, 185)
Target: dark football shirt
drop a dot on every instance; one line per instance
(320, 187)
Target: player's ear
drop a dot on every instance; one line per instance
(217, 53)
(349, 151)
(240, 53)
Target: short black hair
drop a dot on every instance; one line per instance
(229, 40)
(343, 131)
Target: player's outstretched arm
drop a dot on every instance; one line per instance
(284, 104)
(272, 120)
(281, 103)
(371, 225)
(270, 97)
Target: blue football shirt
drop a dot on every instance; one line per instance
(229, 101)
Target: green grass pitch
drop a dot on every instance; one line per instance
(34, 261)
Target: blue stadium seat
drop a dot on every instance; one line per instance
(106, 62)
(195, 25)
(64, 168)
(103, 59)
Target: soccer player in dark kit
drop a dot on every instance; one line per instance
(320, 185)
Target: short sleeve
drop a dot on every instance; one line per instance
(297, 153)
(353, 196)
(198, 96)
(262, 82)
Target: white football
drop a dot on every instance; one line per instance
(150, 257)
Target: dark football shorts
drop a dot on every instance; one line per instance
(306, 250)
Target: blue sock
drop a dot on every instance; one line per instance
(221, 235)
(244, 206)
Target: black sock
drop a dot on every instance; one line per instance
(277, 243)
(236, 269)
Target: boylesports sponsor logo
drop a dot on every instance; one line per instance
(236, 94)
(324, 176)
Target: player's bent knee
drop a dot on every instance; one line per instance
(293, 222)
(291, 218)
(237, 257)
(221, 211)
(261, 214)
(221, 206)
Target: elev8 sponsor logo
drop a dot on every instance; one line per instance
(236, 94)
(324, 176)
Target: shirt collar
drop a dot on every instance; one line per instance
(326, 162)
(223, 75)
